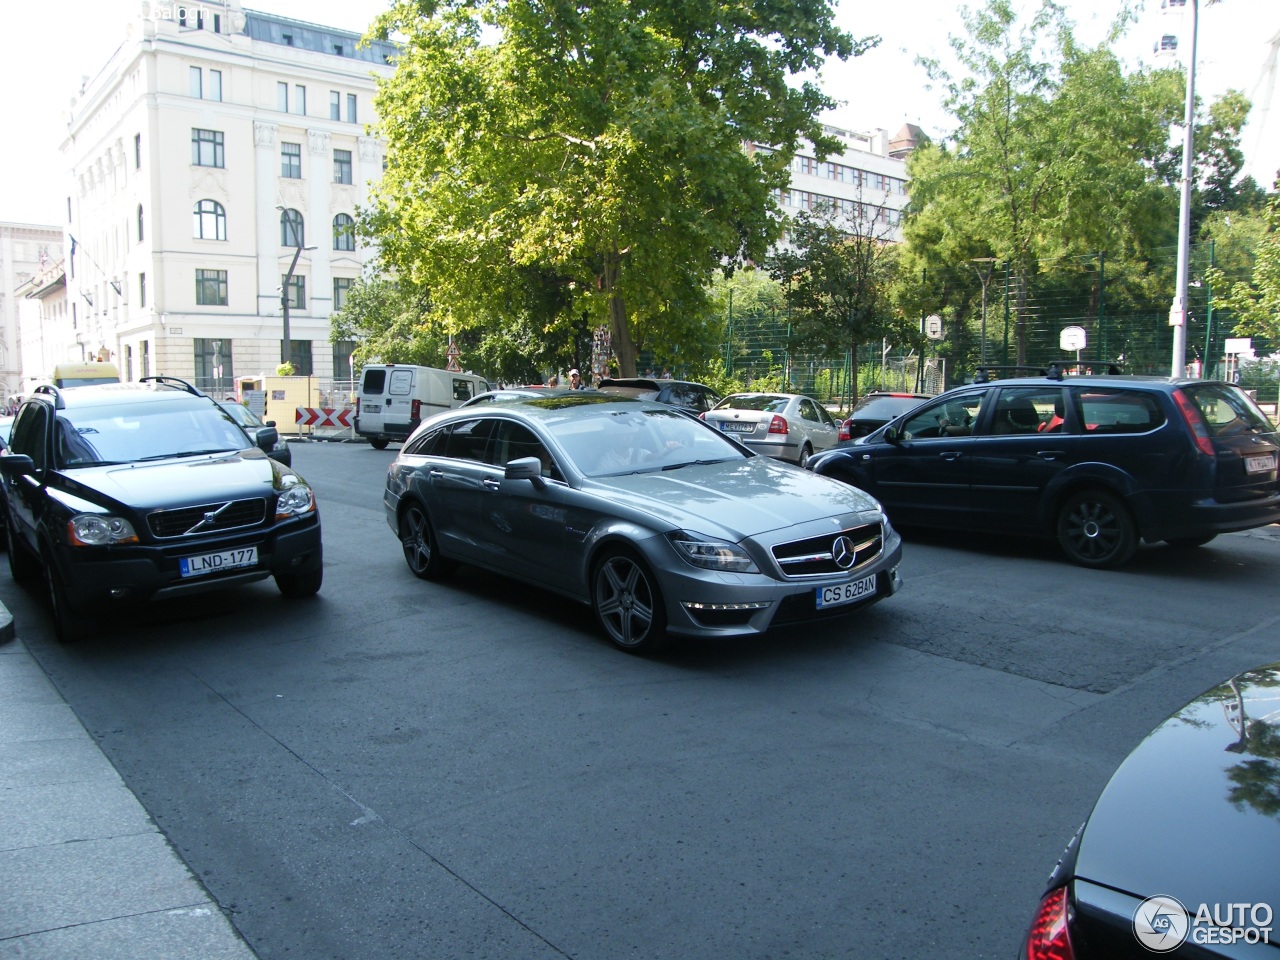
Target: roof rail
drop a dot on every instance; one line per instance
(54, 392)
(1096, 368)
(171, 382)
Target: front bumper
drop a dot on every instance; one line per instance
(97, 576)
(704, 603)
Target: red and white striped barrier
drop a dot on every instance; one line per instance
(313, 417)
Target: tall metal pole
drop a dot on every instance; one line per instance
(985, 276)
(1178, 314)
(286, 349)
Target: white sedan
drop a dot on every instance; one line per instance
(786, 426)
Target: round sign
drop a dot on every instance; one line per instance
(1072, 338)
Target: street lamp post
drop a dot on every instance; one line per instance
(985, 276)
(1178, 313)
(286, 348)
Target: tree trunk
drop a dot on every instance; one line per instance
(853, 375)
(623, 347)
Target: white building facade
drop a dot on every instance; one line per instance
(864, 185)
(27, 251)
(214, 146)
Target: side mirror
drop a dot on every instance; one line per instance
(17, 465)
(267, 438)
(526, 468)
(891, 435)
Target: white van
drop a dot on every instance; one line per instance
(395, 397)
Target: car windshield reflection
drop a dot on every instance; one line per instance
(133, 433)
(616, 442)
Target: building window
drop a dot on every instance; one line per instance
(335, 105)
(287, 38)
(337, 49)
(137, 151)
(207, 148)
(282, 97)
(341, 286)
(342, 166)
(300, 100)
(210, 221)
(211, 288)
(291, 232)
(291, 160)
(215, 84)
(142, 290)
(213, 366)
(342, 351)
(295, 288)
(139, 223)
(300, 357)
(128, 363)
(351, 108)
(194, 74)
(217, 23)
(146, 358)
(344, 232)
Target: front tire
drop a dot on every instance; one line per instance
(379, 443)
(69, 625)
(628, 603)
(299, 585)
(1095, 530)
(418, 540)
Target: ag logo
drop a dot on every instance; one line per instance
(1161, 924)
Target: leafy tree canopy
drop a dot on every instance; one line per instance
(594, 150)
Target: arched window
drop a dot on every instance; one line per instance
(139, 223)
(344, 232)
(210, 221)
(290, 228)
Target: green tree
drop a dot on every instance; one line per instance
(595, 146)
(1256, 301)
(1052, 155)
(836, 275)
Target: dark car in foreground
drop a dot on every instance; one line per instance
(1098, 462)
(874, 410)
(692, 398)
(1178, 856)
(121, 493)
(653, 518)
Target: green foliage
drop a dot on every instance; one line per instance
(285, 369)
(1256, 301)
(560, 162)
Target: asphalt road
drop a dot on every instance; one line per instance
(401, 769)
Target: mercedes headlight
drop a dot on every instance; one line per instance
(712, 554)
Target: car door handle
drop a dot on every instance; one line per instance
(1050, 454)
(951, 456)
(491, 483)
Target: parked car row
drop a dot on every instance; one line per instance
(669, 524)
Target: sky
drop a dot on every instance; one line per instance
(45, 50)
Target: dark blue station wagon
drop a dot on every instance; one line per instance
(1099, 462)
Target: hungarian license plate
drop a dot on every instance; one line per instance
(733, 426)
(215, 562)
(1260, 464)
(371, 407)
(846, 592)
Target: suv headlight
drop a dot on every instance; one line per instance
(295, 501)
(713, 554)
(96, 530)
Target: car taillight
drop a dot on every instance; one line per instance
(1195, 423)
(778, 424)
(357, 406)
(415, 410)
(1049, 937)
(845, 433)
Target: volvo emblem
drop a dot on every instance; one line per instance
(843, 552)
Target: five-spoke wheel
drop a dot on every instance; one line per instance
(628, 603)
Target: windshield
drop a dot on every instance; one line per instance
(885, 408)
(130, 432)
(609, 442)
(768, 402)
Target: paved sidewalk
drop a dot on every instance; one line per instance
(85, 874)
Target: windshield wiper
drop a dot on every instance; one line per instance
(185, 453)
(695, 463)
